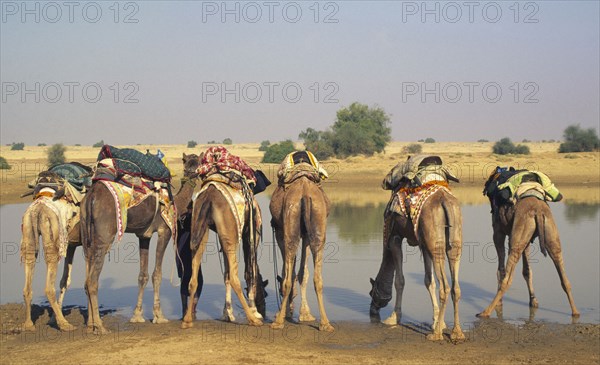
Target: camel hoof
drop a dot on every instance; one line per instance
(575, 315)
(158, 320)
(392, 320)
(28, 326)
(457, 335)
(483, 315)
(435, 337)
(227, 317)
(97, 330)
(255, 322)
(66, 327)
(137, 318)
(533, 303)
(277, 326)
(306, 317)
(326, 327)
(186, 325)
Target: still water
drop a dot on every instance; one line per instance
(352, 255)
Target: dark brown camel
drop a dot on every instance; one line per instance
(530, 217)
(98, 229)
(211, 210)
(439, 235)
(300, 211)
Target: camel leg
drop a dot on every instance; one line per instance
(228, 315)
(317, 253)
(555, 251)
(237, 287)
(28, 292)
(143, 276)
(396, 316)
(431, 287)
(163, 240)
(499, 239)
(303, 275)
(61, 321)
(520, 236)
(528, 276)
(193, 285)
(65, 281)
(286, 287)
(440, 273)
(95, 262)
(454, 255)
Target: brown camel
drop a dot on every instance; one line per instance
(99, 227)
(530, 217)
(439, 235)
(300, 211)
(41, 220)
(211, 210)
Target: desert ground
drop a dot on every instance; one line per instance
(356, 179)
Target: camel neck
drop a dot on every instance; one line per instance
(184, 196)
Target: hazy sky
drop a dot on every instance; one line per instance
(169, 72)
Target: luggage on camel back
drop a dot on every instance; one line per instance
(127, 161)
(78, 175)
(69, 180)
(416, 171)
(298, 164)
(505, 185)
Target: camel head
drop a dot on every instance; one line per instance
(190, 164)
(378, 299)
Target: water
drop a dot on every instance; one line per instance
(352, 255)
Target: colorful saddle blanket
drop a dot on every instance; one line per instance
(417, 170)
(126, 197)
(409, 203)
(217, 159)
(298, 164)
(128, 161)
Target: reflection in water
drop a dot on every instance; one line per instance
(575, 213)
(357, 223)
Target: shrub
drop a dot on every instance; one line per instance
(525, 140)
(227, 141)
(4, 164)
(413, 148)
(264, 145)
(98, 144)
(505, 147)
(275, 153)
(192, 144)
(211, 142)
(579, 140)
(421, 140)
(56, 154)
(320, 143)
(429, 140)
(482, 140)
(41, 144)
(77, 144)
(17, 146)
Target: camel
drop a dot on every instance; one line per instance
(528, 218)
(211, 210)
(300, 210)
(99, 228)
(43, 218)
(439, 235)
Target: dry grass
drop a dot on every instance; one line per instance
(357, 179)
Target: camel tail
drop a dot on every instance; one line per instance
(305, 213)
(540, 222)
(205, 209)
(86, 229)
(451, 222)
(30, 236)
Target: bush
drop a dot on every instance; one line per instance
(211, 142)
(579, 140)
(525, 140)
(421, 140)
(413, 148)
(192, 144)
(227, 141)
(482, 140)
(275, 153)
(77, 144)
(98, 144)
(264, 145)
(17, 146)
(4, 164)
(56, 155)
(505, 147)
(41, 144)
(320, 143)
(429, 140)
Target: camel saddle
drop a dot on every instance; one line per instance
(300, 164)
(417, 170)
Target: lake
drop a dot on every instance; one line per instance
(352, 256)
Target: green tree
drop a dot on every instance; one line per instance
(227, 141)
(320, 143)
(505, 147)
(360, 129)
(264, 145)
(56, 154)
(41, 144)
(4, 164)
(429, 140)
(98, 144)
(579, 140)
(17, 146)
(192, 144)
(275, 153)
